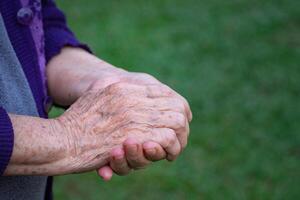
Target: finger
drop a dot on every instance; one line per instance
(187, 132)
(183, 134)
(134, 154)
(162, 119)
(160, 114)
(157, 91)
(161, 90)
(167, 119)
(118, 162)
(165, 104)
(187, 108)
(151, 91)
(185, 102)
(153, 151)
(168, 140)
(105, 173)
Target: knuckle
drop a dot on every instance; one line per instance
(177, 151)
(184, 144)
(180, 121)
(178, 105)
(171, 138)
(182, 106)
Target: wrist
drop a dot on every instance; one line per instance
(74, 71)
(39, 147)
(82, 148)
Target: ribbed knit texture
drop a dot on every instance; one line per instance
(6, 140)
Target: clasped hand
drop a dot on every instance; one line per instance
(125, 126)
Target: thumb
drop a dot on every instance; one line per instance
(105, 173)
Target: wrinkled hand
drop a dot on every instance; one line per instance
(134, 155)
(100, 122)
(131, 156)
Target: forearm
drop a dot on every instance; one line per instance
(39, 147)
(72, 72)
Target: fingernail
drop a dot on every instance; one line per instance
(106, 176)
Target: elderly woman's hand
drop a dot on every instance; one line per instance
(74, 72)
(134, 155)
(100, 121)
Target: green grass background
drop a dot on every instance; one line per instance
(238, 64)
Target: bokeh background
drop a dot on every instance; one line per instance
(238, 64)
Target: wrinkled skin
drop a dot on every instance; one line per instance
(118, 121)
(102, 120)
(134, 155)
(75, 72)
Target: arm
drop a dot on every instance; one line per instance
(82, 138)
(39, 147)
(80, 66)
(58, 35)
(74, 72)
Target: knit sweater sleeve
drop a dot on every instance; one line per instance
(57, 33)
(6, 140)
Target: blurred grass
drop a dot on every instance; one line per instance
(237, 62)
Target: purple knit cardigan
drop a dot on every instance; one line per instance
(56, 36)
